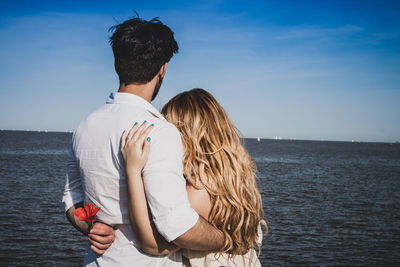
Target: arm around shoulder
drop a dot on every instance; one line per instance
(202, 236)
(135, 155)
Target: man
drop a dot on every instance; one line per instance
(96, 171)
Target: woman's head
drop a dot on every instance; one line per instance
(215, 158)
(202, 121)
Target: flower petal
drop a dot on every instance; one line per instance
(91, 208)
(81, 214)
(95, 211)
(87, 210)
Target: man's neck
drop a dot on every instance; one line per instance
(144, 91)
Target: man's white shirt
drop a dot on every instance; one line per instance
(96, 174)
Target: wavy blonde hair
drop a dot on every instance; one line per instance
(215, 158)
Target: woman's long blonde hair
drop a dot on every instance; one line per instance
(215, 158)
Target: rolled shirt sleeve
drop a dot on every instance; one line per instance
(165, 185)
(73, 190)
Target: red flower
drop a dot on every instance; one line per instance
(87, 213)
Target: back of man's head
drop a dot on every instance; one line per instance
(140, 49)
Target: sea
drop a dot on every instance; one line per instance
(325, 203)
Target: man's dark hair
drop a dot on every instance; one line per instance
(140, 49)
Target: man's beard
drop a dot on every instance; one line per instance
(157, 87)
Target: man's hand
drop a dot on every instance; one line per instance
(101, 236)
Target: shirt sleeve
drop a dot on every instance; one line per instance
(165, 185)
(73, 190)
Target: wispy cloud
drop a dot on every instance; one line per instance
(315, 32)
(387, 35)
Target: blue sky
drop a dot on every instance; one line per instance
(297, 69)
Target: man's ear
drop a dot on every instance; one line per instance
(163, 69)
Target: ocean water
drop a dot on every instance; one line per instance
(325, 202)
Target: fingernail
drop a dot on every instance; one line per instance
(144, 121)
(152, 124)
(148, 139)
(135, 124)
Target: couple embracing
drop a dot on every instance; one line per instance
(175, 188)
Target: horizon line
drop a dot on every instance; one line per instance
(261, 138)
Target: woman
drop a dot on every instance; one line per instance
(220, 178)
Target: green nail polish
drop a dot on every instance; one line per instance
(152, 124)
(144, 121)
(135, 124)
(148, 139)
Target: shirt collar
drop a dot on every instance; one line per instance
(128, 98)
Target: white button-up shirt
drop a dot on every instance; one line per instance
(96, 174)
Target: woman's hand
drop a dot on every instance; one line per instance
(135, 147)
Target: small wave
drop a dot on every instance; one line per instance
(275, 160)
(34, 152)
